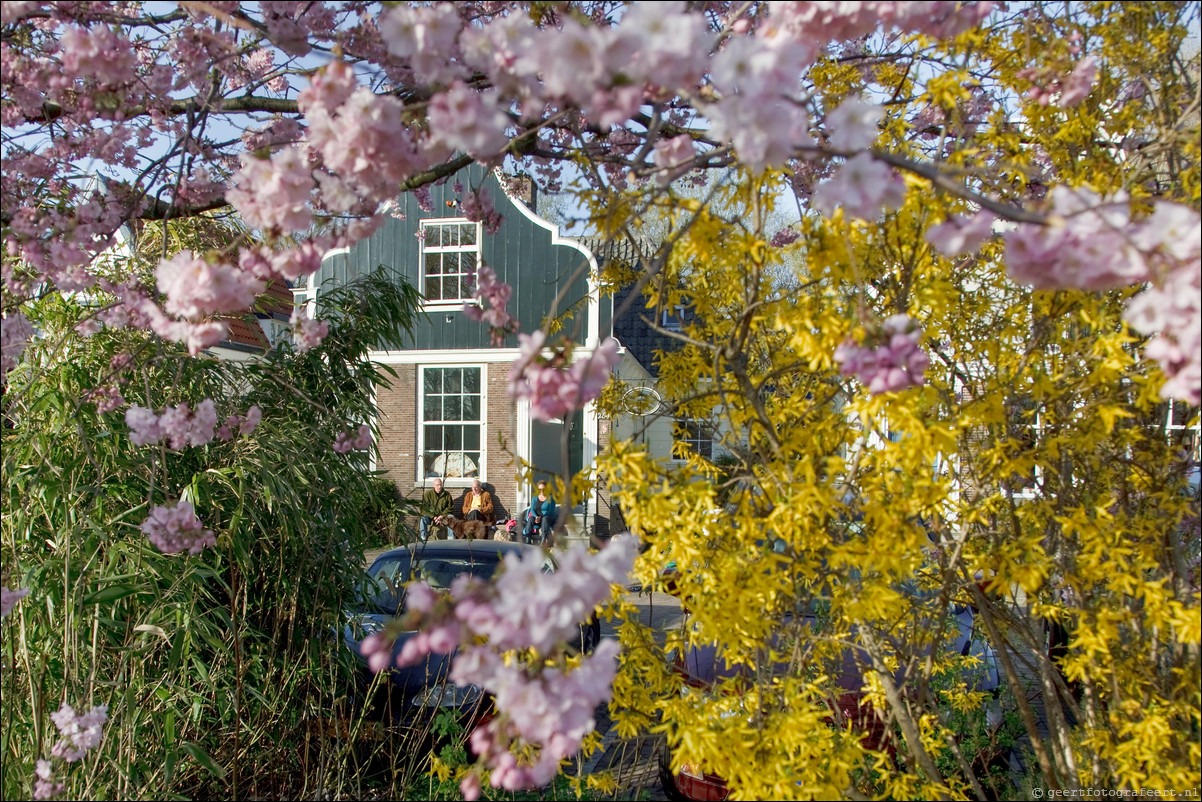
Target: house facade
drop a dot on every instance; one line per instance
(447, 412)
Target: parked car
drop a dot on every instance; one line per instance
(702, 668)
(381, 596)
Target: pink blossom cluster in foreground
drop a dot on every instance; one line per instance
(79, 734)
(1094, 244)
(491, 297)
(179, 425)
(345, 442)
(892, 359)
(14, 335)
(177, 528)
(553, 387)
(523, 608)
(307, 333)
(236, 425)
(9, 599)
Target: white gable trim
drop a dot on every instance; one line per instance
(593, 335)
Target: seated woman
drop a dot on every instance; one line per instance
(477, 504)
(540, 517)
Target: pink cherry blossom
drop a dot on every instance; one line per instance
(468, 121)
(44, 787)
(672, 156)
(553, 388)
(863, 188)
(307, 333)
(176, 528)
(15, 333)
(9, 599)
(79, 733)
(477, 206)
(890, 361)
(955, 236)
(854, 124)
(1079, 83)
(1087, 246)
(196, 287)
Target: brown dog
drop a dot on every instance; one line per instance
(465, 530)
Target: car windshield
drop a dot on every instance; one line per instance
(384, 588)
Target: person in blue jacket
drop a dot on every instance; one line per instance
(540, 517)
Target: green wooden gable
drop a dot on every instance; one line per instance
(521, 252)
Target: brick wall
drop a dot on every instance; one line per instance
(397, 420)
(500, 466)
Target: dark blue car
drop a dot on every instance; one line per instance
(382, 596)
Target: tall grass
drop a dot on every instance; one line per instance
(222, 670)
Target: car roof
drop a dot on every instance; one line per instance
(463, 549)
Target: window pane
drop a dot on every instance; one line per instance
(452, 407)
(432, 380)
(467, 263)
(471, 439)
(433, 264)
(433, 438)
(471, 380)
(433, 408)
(471, 407)
(450, 288)
(467, 233)
(454, 380)
(454, 438)
(450, 235)
(433, 289)
(474, 457)
(430, 457)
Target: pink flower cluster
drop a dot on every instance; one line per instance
(492, 297)
(1172, 311)
(344, 443)
(553, 387)
(1071, 89)
(80, 734)
(9, 599)
(524, 608)
(1094, 245)
(673, 157)
(197, 287)
(892, 359)
(307, 333)
(177, 528)
(477, 206)
(955, 236)
(863, 188)
(98, 54)
(14, 335)
(553, 710)
(241, 424)
(178, 425)
(1088, 246)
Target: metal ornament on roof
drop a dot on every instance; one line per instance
(642, 401)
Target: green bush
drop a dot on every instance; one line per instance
(219, 669)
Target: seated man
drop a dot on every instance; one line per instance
(435, 502)
(540, 517)
(477, 504)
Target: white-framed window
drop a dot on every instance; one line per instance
(451, 430)
(450, 254)
(1177, 427)
(1025, 428)
(694, 434)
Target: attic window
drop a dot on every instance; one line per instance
(450, 253)
(673, 318)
